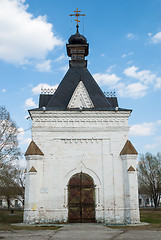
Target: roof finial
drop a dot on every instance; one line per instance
(77, 14)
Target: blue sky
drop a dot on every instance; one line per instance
(125, 55)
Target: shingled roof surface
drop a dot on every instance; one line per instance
(60, 99)
(33, 149)
(128, 149)
(113, 101)
(69, 83)
(44, 99)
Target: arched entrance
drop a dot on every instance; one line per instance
(81, 198)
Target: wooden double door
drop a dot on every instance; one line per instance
(81, 199)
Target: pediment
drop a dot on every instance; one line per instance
(80, 98)
(33, 149)
(33, 170)
(131, 169)
(128, 149)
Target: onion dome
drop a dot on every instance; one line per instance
(77, 38)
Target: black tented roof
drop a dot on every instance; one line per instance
(64, 92)
(44, 99)
(113, 101)
(60, 99)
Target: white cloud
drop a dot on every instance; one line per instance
(134, 90)
(127, 55)
(20, 133)
(102, 54)
(60, 58)
(144, 129)
(124, 55)
(30, 103)
(45, 66)
(129, 62)
(26, 141)
(156, 38)
(149, 34)
(156, 142)
(106, 79)
(130, 36)
(22, 163)
(64, 68)
(158, 139)
(145, 76)
(3, 90)
(151, 146)
(159, 122)
(40, 86)
(22, 36)
(110, 68)
(158, 83)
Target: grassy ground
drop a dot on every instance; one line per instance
(6, 219)
(147, 215)
(151, 216)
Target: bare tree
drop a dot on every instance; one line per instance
(11, 183)
(149, 176)
(20, 178)
(9, 154)
(9, 150)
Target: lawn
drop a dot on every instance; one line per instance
(7, 217)
(147, 215)
(150, 216)
(6, 220)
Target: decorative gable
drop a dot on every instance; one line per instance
(128, 149)
(131, 169)
(80, 98)
(32, 170)
(33, 149)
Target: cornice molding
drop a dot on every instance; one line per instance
(80, 119)
(79, 114)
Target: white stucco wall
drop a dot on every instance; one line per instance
(72, 142)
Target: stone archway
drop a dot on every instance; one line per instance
(81, 198)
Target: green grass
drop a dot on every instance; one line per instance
(6, 220)
(150, 216)
(7, 217)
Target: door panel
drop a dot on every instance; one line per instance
(81, 198)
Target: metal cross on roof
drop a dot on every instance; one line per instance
(77, 14)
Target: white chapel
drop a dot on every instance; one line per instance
(81, 167)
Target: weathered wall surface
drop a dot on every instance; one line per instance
(130, 189)
(72, 142)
